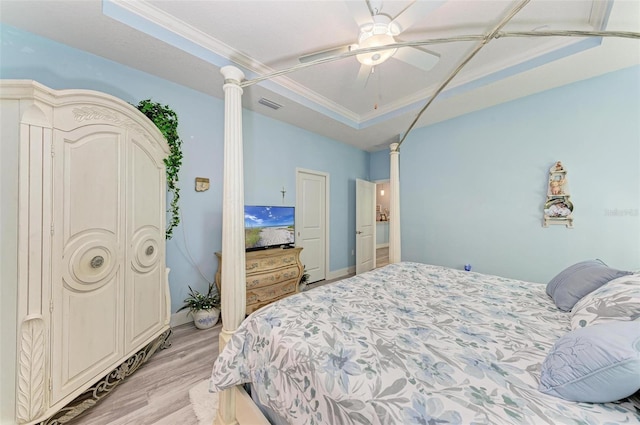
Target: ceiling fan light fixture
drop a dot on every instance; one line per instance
(376, 34)
(394, 29)
(375, 58)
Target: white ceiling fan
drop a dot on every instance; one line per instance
(379, 29)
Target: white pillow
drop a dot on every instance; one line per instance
(617, 300)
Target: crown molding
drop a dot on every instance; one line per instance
(179, 28)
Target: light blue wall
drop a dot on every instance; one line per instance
(380, 164)
(473, 187)
(273, 150)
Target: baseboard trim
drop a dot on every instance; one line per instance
(336, 274)
(180, 318)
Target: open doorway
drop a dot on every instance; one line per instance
(383, 201)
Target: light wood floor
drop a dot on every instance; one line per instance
(382, 257)
(158, 392)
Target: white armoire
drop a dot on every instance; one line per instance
(84, 294)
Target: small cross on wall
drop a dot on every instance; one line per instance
(283, 192)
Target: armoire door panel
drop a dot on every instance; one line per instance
(89, 335)
(88, 268)
(92, 166)
(146, 173)
(144, 295)
(146, 303)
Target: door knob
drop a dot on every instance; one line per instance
(358, 232)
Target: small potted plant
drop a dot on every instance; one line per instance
(205, 308)
(303, 280)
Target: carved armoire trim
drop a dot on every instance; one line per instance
(31, 370)
(104, 386)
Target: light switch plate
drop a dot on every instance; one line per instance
(202, 184)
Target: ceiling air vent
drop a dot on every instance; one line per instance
(270, 104)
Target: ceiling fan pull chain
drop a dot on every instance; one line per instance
(375, 106)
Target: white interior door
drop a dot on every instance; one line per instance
(365, 226)
(311, 222)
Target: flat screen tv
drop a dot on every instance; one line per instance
(268, 227)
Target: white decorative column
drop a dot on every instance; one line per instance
(394, 207)
(233, 274)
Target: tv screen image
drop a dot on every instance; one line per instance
(268, 226)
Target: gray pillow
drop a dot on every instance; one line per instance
(576, 281)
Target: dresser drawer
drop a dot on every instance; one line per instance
(270, 293)
(272, 277)
(262, 261)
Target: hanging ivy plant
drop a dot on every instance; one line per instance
(167, 122)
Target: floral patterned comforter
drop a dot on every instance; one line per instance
(408, 344)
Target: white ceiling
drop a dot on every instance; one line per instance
(188, 41)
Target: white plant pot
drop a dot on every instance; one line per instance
(205, 319)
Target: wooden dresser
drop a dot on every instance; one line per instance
(272, 274)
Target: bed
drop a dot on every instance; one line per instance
(450, 382)
(408, 343)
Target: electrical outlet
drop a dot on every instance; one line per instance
(353, 252)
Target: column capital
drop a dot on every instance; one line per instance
(394, 147)
(232, 73)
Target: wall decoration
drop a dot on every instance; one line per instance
(558, 209)
(202, 184)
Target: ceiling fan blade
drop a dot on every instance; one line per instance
(423, 59)
(363, 76)
(417, 10)
(360, 11)
(335, 51)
